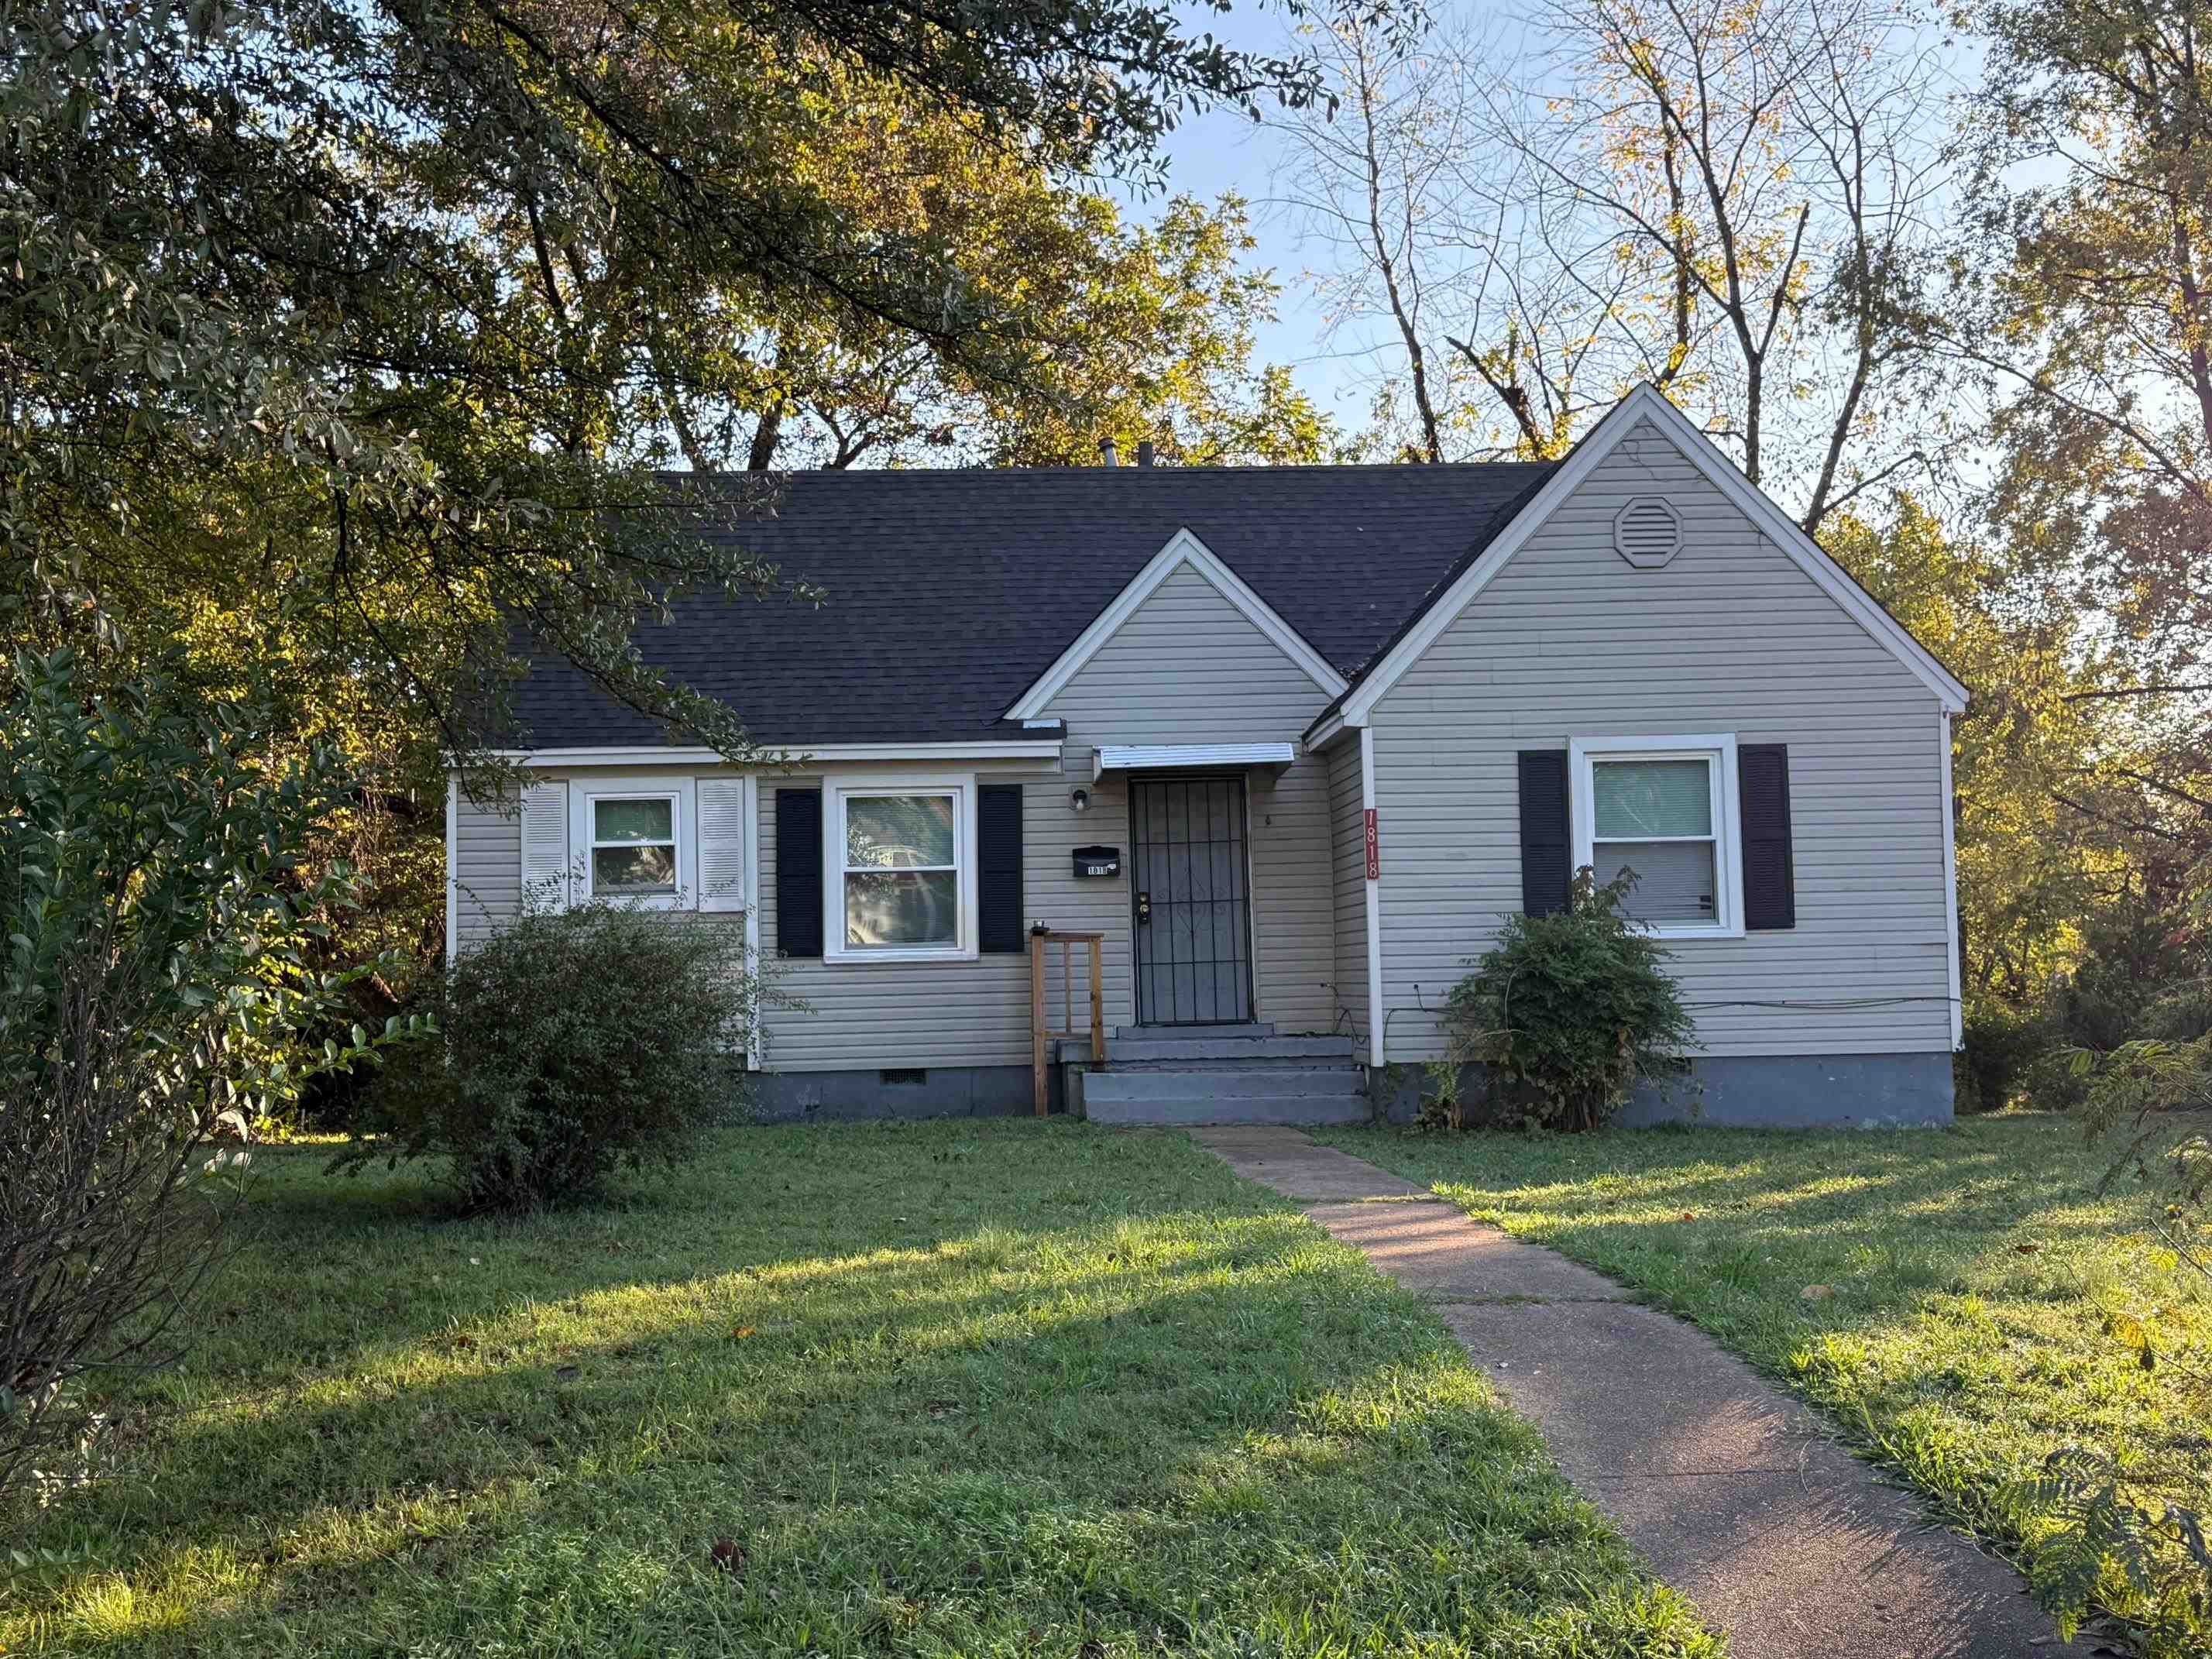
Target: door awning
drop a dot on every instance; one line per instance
(1192, 756)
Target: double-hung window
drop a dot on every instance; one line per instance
(633, 846)
(902, 876)
(1664, 811)
(633, 839)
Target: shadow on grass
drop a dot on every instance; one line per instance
(1047, 1389)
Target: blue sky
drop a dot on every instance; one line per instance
(1224, 150)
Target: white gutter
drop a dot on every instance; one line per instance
(981, 749)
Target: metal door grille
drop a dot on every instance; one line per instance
(1195, 954)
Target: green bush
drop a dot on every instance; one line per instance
(2140, 949)
(2051, 1082)
(1566, 1014)
(159, 917)
(578, 1041)
(1998, 1050)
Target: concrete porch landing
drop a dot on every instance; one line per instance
(1734, 1493)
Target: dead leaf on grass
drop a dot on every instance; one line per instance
(1817, 1293)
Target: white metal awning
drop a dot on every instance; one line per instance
(1192, 756)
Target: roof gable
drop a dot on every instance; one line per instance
(1184, 551)
(1475, 572)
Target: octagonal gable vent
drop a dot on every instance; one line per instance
(1647, 532)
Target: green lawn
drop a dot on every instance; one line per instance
(1964, 1285)
(975, 1388)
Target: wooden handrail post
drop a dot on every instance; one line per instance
(1040, 1033)
(1097, 1005)
(1036, 1022)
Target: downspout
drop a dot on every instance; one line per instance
(1953, 969)
(452, 867)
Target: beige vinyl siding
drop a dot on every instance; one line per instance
(1569, 640)
(1348, 879)
(487, 859)
(1293, 905)
(862, 1015)
(1189, 667)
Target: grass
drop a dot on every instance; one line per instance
(973, 1389)
(1956, 1297)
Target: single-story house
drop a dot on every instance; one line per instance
(1292, 740)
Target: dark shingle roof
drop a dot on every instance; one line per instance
(947, 593)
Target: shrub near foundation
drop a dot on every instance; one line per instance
(580, 1042)
(1564, 1017)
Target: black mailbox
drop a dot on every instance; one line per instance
(1090, 861)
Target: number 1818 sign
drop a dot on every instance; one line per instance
(1373, 849)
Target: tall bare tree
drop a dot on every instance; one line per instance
(1734, 199)
(1772, 168)
(1455, 265)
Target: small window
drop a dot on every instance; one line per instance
(1663, 808)
(901, 884)
(633, 846)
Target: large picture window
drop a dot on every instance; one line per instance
(1664, 809)
(901, 872)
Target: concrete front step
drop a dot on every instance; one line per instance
(1192, 1095)
(1248, 1028)
(1217, 1053)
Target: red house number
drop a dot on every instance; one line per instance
(1373, 849)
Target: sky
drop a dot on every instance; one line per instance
(1225, 150)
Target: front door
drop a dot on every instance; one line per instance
(1194, 902)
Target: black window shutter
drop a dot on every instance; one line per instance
(799, 872)
(1547, 859)
(1770, 873)
(998, 868)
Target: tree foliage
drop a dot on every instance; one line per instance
(2094, 322)
(393, 306)
(158, 917)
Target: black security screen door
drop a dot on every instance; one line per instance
(1194, 910)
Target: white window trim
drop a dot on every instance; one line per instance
(1717, 747)
(961, 786)
(681, 791)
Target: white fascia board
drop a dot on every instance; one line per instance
(1182, 549)
(984, 749)
(1645, 402)
(1327, 730)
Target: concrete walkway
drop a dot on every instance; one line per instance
(1735, 1494)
